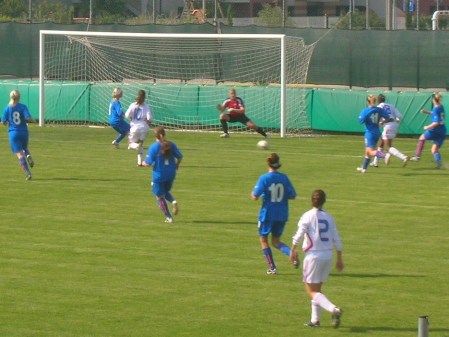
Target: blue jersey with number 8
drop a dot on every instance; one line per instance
(16, 116)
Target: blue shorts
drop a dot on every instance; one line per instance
(18, 141)
(371, 140)
(437, 138)
(161, 188)
(122, 127)
(276, 228)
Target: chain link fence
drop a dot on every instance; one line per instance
(141, 12)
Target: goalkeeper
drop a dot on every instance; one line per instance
(235, 112)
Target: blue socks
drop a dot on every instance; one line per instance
(284, 248)
(23, 163)
(269, 257)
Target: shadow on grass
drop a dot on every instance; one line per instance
(428, 172)
(359, 329)
(77, 179)
(209, 167)
(374, 275)
(224, 222)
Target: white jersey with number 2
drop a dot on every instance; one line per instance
(318, 231)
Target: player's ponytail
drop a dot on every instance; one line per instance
(371, 100)
(140, 99)
(437, 97)
(166, 149)
(14, 97)
(318, 198)
(117, 93)
(274, 161)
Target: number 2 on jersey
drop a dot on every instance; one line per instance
(324, 228)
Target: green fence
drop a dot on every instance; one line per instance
(338, 110)
(332, 110)
(368, 58)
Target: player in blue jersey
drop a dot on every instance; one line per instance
(16, 116)
(390, 131)
(371, 117)
(116, 117)
(275, 189)
(165, 157)
(435, 131)
(319, 235)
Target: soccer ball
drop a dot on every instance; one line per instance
(262, 144)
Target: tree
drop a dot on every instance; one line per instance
(271, 15)
(53, 11)
(358, 20)
(13, 8)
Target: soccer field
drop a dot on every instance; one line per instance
(85, 250)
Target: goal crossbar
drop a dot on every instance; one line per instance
(280, 37)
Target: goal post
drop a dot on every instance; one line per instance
(184, 75)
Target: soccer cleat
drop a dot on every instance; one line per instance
(361, 170)
(272, 271)
(336, 315)
(387, 158)
(115, 144)
(267, 136)
(405, 161)
(30, 161)
(169, 220)
(312, 324)
(439, 165)
(374, 165)
(28, 177)
(415, 158)
(175, 208)
(224, 135)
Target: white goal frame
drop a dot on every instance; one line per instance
(282, 58)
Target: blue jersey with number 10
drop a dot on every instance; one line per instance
(371, 117)
(275, 189)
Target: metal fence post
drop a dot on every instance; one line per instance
(423, 326)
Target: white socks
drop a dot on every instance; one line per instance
(321, 300)
(395, 152)
(316, 309)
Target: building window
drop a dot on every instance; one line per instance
(315, 9)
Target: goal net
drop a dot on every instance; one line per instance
(185, 76)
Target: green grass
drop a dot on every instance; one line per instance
(85, 250)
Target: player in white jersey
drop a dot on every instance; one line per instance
(319, 234)
(390, 132)
(140, 115)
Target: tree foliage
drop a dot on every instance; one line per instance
(13, 8)
(271, 15)
(358, 20)
(53, 11)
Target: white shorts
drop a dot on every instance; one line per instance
(138, 135)
(317, 266)
(390, 130)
